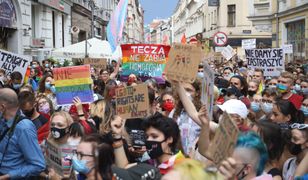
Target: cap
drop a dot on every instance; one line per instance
(234, 106)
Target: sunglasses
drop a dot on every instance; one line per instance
(298, 126)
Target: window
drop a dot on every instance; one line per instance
(53, 29)
(231, 15)
(295, 34)
(33, 21)
(63, 30)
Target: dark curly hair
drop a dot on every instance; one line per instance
(166, 125)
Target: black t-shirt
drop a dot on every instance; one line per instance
(39, 121)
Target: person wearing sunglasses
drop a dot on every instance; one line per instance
(298, 148)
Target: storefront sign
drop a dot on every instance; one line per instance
(7, 14)
(57, 4)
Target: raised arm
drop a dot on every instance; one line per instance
(187, 103)
(116, 70)
(204, 137)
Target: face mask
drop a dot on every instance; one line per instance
(305, 110)
(255, 107)
(297, 87)
(251, 93)
(28, 113)
(53, 89)
(58, 133)
(305, 91)
(34, 66)
(282, 88)
(80, 166)
(154, 149)
(16, 86)
(267, 107)
(272, 87)
(200, 74)
(46, 65)
(295, 149)
(168, 106)
(44, 109)
(47, 85)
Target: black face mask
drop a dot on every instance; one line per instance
(251, 93)
(28, 113)
(58, 133)
(154, 149)
(295, 149)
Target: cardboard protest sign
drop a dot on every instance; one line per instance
(71, 82)
(224, 140)
(144, 60)
(132, 101)
(207, 95)
(11, 62)
(249, 43)
(287, 48)
(59, 158)
(228, 52)
(271, 61)
(97, 63)
(183, 62)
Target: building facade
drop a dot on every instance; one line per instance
(134, 27)
(192, 18)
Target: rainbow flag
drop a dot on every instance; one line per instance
(144, 60)
(71, 82)
(116, 24)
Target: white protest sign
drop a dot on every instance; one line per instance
(287, 48)
(207, 95)
(249, 43)
(11, 62)
(219, 49)
(271, 61)
(228, 52)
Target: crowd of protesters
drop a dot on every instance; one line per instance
(172, 142)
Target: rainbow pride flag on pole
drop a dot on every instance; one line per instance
(116, 24)
(71, 82)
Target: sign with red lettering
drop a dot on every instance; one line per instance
(71, 82)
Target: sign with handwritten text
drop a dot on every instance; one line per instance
(183, 62)
(224, 140)
(132, 101)
(11, 62)
(97, 63)
(71, 82)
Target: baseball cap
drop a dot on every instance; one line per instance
(234, 106)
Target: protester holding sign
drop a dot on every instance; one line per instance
(58, 151)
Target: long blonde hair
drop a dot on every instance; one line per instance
(98, 108)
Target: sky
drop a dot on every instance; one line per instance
(160, 9)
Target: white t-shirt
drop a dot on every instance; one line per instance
(289, 168)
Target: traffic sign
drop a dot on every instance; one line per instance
(220, 39)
